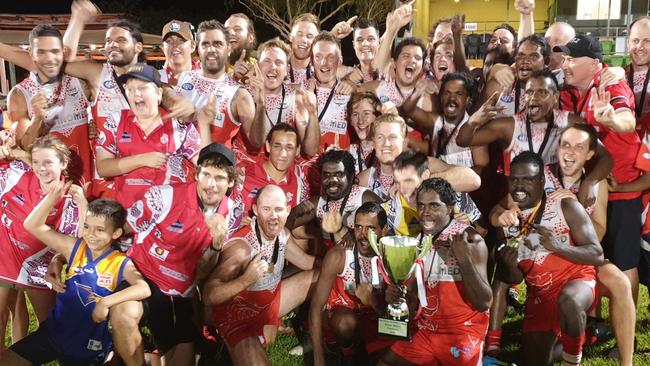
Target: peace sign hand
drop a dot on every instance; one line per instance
(603, 110)
(256, 80)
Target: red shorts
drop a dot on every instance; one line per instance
(429, 348)
(367, 323)
(543, 312)
(246, 314)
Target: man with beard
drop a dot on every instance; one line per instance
(243, 40)
(453, 314)
(389, 134)
(178, 46)
(535, 129)
(49, 102)
(276, 103)
(179, 232)
(610, 108)
(234, 107)
(279, 168)
(554, 248)
(578, 144)
(455, 96)
(531, 55)
(247, 291)
(344, 298)
(340, 197)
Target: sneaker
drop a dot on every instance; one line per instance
(597, 331)
(493, 361)
(301, 349)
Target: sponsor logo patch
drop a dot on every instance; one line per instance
(158, 252)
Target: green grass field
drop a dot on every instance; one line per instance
(593, 356)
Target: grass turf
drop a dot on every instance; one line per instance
(593, 356)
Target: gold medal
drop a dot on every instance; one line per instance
(271, 266)
(514, 242)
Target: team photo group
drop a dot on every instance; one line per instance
(399, 210)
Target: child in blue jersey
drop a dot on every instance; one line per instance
(76, 331)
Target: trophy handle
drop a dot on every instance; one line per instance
(372, 239)
(427, 243)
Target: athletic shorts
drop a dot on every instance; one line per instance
(622, 241)
(430, 348)
(37, 349)
(169, 318)
(542, 313)
(644, 264)
(367, 327)
(246, 314)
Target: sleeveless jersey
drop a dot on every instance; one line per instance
(519, 142)
(444, 137)
(66, 118)
(547, 272)
(447, 310)
(334, 121)
(342, 294)
(380, 182)
(299, 76)
(360, 156)
(390, 91)
(109, 101)
(507, 101)
(25, 259)
(402, 218)
(70, 326)
(197, 88)
(171, 235)
(354, 200)
(125, 137)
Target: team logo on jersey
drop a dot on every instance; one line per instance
(176, 227)
(72, 92)
(384, 99)
(158, 252)
(187, 86)
(522, 137)
(136, 210)
(105, 281)
(94, 345)
(4, 203)
(6, 221)
(164, 139)
(126, 137)
(507, 98)
(19, 199)
(513, 229)
(86, 294)
(109, 84)
(89, 270)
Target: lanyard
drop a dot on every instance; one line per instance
(561, 177)
(517, 97)
(433, 242)
(630, 82)
(529, 134)
(118, 84)
(327, 103)
(308, 71)
(276, 245)
(402, 94)
(578, 110)
(280, 113)
(535, 217)
(445, 141)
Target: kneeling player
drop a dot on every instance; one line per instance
(453, 322)
(556, 262)
(247, 290)
(344, 290)
(76, 332)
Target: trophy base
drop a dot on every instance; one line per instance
(391, 328)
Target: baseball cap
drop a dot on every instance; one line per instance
(183, 29)
(141, 71)
(582, 46)
(216, 149)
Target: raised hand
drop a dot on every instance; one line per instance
(458, 23)
(525, 7)
(256, 269)
(84, 11)
(39, 105)
(206, 115)
(256, 82)
(401, 16)
(242, 67)
(58, 189)
(603, 110)
(332, 222)
(488, 111)
(343, 29)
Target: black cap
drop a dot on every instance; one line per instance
(582, 46)
(143, 72)
(216, 149)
